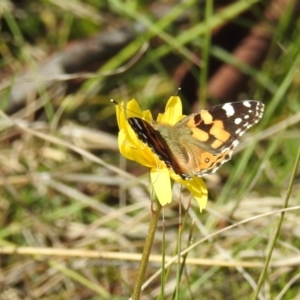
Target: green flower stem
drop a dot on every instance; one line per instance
(156, 208)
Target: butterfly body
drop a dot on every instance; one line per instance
(200, 143)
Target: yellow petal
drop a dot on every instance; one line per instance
(201, 201)
(161, 183)
(139, 153)
(126, 110)
(133, 109)
(173, 111)
(124, 145)
(198, 189)
(147, 116)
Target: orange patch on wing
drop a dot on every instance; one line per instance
(200, 135)
(219, 124)
(219, 133)
(206, 159)
(191, 123)
(217, 144)
(206, 117)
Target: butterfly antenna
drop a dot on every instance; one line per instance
(114, 102)
(127, 109)
(178, 90)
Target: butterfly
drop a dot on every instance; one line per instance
(200, 143)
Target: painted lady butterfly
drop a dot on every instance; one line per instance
(200, 143)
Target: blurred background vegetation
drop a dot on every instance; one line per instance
(74, 215)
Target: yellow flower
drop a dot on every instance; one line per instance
(134, 149)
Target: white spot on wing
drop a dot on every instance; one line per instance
(144, 135)
(137, 123)
(228, 109)
(247, 103)
(238, 130)
(237, 121)
(235, 143)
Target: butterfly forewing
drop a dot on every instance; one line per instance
(222, 126)
(148, 135)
